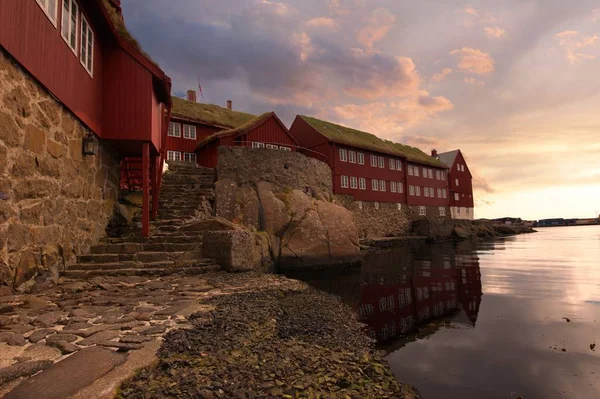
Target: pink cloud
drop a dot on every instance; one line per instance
(480, 183)
(323, 22)
(473, 81)
(438, 77)
(379, 24)
(575, 45)
(470, 10)
(494, 32)
(474, 61)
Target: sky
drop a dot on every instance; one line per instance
(515, 84)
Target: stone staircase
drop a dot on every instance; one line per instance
(187, 196)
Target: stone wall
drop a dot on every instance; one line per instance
(54, 201)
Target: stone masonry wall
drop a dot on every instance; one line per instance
(54, 201)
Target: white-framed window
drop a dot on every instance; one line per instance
(189, 157)
(189, 132)
(426, 192)
(362, 183)
(422, 211)
(442, 211)
(418, 190)
(352, 156)
(443, 175)
(284, 148)
(269, 146)
(256, 144)
(361, 158)
(344, 181)
(416, 171)
(87, 46)
(398, 165)
(399, 206)
(439, 192)
(425, 172)
(373, 161)
(400, 187)
(431, 192)
(411, 190)
(393, 186)
(381, 162)
(376, 204)
(444, 193)
(353, 182)
(456, 197)
(68, 30)
(359, 204)
(437, 175)
(343, 155)
(392, 164)
(174, 156)
(456, 182)
(174, 129)
(382, 185)
(410, 170)
(430, 173)
(50, 9)
(375, 185)
(458, 167)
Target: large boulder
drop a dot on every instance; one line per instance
(275, 214)
(238, 250)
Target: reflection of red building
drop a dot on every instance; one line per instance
(469, 285)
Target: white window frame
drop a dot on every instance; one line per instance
(284, 148)
(400, 187)
(418, 191)
(430, 173)
(352, 156)
(456, 197)
(190, 134)
(45, 6)
(437, 175)
(344, 181)
(373, 161)
(257, 144)
(382, 187)
(416, 168)
(456, 182)
(411, 189)
(431, 192)
(172, 131)
(353, 183)
(362, 183)
(173, 156)
(399, 165)
(425, 172)
(392, 164)
(444, 175)
(71, 29)
(271, 146)
(422, 211)
(426, 192)
(444, 193)
(376, 205)
(189, 157)
(89, 53)
(439, 193)
(381, 162)
(411, 170)
(343, 155)
(375, 184)
(361, 158)
(393, 187)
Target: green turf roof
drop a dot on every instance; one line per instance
(352, 137)
(209, 114)
(245, 128)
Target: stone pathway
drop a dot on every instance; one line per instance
(121, 314)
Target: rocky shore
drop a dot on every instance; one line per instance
(276, 338)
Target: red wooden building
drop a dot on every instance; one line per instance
(372, 169)
(461, 184)
(197, 130)
(81, 52)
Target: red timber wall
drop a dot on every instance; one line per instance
(270, 132)
(429, 183)
(31, 38)
(188, 145)
(465, 184)
(369, 173)
(157, 122)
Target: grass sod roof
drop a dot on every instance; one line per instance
(209, 114)
(242, 129)
(356, 138)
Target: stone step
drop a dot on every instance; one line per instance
(166, 239)
(82, 274)
(131, 248)
(142, 256)
(149, 264)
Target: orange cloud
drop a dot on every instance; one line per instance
(323, 22)
(480, 183)
(494, 32)
(438, 77)
(304, 45)
(379, 24)
(473, 81)
(474, 61)
(470, 10)
(574, 43)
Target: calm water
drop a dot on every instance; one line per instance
(485, 320)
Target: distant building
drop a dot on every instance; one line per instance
(370, 169)
(462, 205)
(196, 131)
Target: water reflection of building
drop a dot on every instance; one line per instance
(415, 284)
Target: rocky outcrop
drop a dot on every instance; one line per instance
(54, 201)
(464, 229)
(305, 228)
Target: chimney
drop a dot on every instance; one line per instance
(229, 104)
(434, 153)
(191, 95)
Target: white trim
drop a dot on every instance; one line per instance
(411, 170)
(44, 5)
(352, 156)
(400, 187)
(344, 181)
(72, 30)
(353, 183)
(191, 157)
(374, 184)
(381, 162)
(361, 158)
(430, 173)
(271, 146)
(362, 183)
(373, 161)
(89, 53)
(174, 156)
(399, 165)
(382, 187)
(422, 211)
(416, 168)
(343, 155)
(393, 186)
(256, 144)
(411, 189)
(285, 148)
(392, 164)
(172, 132)
(418, 190)
(191, 132)
(456, 182)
